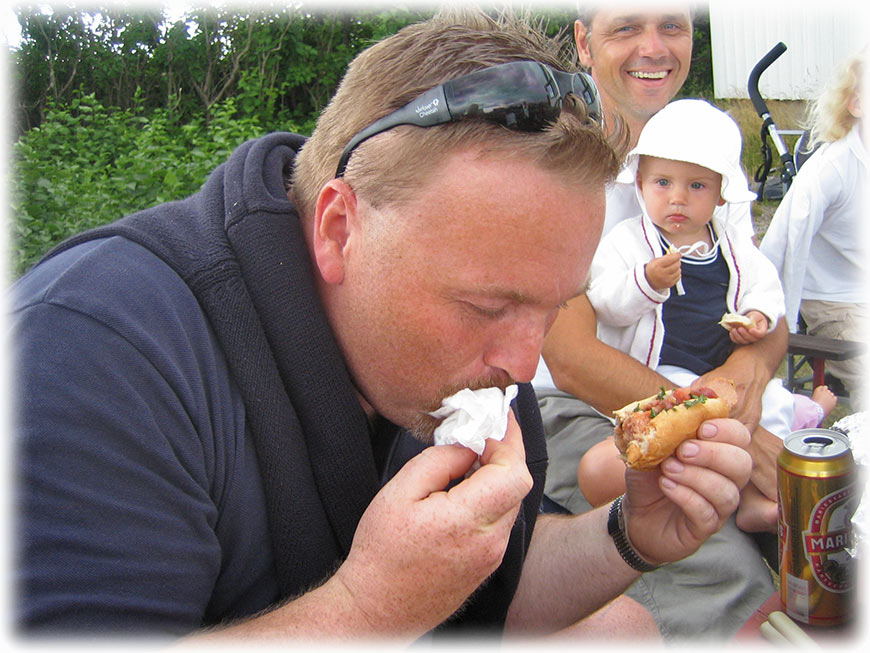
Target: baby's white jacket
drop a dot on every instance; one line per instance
(629, 310)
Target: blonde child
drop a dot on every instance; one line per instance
(818, 236)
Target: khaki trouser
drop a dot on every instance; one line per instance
(845, 322)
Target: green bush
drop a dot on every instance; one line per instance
(87, 165)
(104, 151)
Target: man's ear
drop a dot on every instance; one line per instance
(334, 214)
(581, 34)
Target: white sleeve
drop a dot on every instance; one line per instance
(618, 289)
(787, 241)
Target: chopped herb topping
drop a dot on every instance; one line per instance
(696, 399)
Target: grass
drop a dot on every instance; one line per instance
(786, 114)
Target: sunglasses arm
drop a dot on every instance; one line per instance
(426, 110)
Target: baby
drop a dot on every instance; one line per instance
(661, 282)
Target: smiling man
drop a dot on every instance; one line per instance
(639, 58)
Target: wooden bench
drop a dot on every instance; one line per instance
(815, 350)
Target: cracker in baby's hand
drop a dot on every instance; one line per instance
(734, 320)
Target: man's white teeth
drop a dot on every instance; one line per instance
(642, 75)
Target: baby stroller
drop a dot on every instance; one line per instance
(772, 183)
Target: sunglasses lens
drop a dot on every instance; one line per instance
(518, 95)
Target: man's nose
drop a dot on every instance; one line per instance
(651, 44)
(518, 349)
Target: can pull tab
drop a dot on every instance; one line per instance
(817, 443)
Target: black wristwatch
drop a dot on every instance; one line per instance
(616, 530)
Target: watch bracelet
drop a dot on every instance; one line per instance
(616, 530)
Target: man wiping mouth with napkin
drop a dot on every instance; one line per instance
(234, 378)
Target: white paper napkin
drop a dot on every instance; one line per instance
(472, 416)
(855, 426)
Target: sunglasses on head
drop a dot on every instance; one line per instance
(520, 95)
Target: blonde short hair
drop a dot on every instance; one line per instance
(392, 72)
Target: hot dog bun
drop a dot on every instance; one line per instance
(645, 440)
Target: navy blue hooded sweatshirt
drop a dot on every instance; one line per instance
(189, 445)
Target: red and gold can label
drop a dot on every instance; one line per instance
(827, 539)
(817, 498)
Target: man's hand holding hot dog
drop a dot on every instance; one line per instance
(573, 566)
(670, 513)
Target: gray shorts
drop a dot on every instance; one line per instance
(707, 596)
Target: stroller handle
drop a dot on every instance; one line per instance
(762, 65)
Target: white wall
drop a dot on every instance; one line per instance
(819, 35)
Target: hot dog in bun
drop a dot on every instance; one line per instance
(649, 430)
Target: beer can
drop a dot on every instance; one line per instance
(817, 497)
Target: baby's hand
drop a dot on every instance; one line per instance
(664, 272)
(754, 333)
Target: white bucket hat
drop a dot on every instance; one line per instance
(697, 132)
